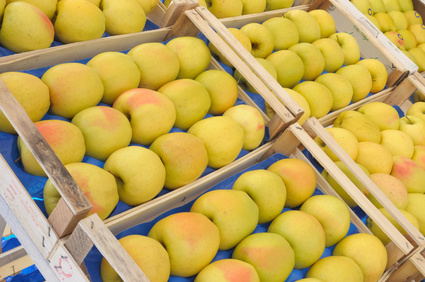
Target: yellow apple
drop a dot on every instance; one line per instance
(392, 5)
(392, 187)
(399, 19)
(385, 21)
(279, 4)
(262, 39)
(318, 96)
(419, 32)
(148, 5)
(344, 138)
(360, 79)
(349, 46)
(409, 38)
(285, 32)
(413, 17)
(340, 87)
(47, 6)
(419, 56)
(326, 22)
(335, 268)
(232, 8)
(398, 142)
(375, 157)
(410, 173)
(417, 109)
(251, 7)
(406, 5)
(384, 115)
(415, 206)
(363, 6)
(418, 155)
(378, 72)
(244, 83)
(377, 6)
(308, 26)
(313, 60)
(225, 270)
(363, 127)
(332, 53)
(414, 126)
(374, 21)
(123, 17)
(289, 67)
(396, 39)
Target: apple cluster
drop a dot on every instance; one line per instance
(389, 149)
(29, 25)
(263, 226)
(400, 23)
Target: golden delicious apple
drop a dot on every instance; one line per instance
(374, 21)
(65, 139)
(223, 138)
(31, 93)
(318, 96)
(285, 32)
(349, 46)
(419, 32)
(123, 17)
(268, 66)
(267, 190)
(410, 173)
(374, 157)
(226, 270)
(406, 5)
(339, 86)
(95, 2)
(313, 60)
(419, 56)
(289, 67)
(398, 142)
(384, 115)
(413, 17)
(251, 7)
(147, 253)
(362, 126)
(332, 53)
(220, 9)
(326, 22)
(363, 6)
(418, 155)
(396, 39)
(417, 109)
(118, 73)
(149, 5)
(377, 6)
(392, 187)
(335, 269)
(191, 240)
(47, 6)
(378, 72)
(415, 206)
(367, 251)
(279, 4)
(299, 178)
(391, 5)
(399, 19)
(151, 113)
(193, 55)
(410, 56)
(360, 79)
(262, 39)
(97, 184)
(308, 27)
(344, 138)
(414, 126)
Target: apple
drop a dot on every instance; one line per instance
(385, 21)
(340, 87)
(392, 5)
(332, 53)
(318, 96)
(378, 72)
(244, 83)
(396, 39)
(289, 67)
(326, 22)
(118, 73)
(375, 157)
(225, 270)
(78, 20)
(415, 206)
(151, 113)
(377, 6)
(335, 268)
(95, 2)
(157, 64)
(191, 240)
(374, 21)
(360, 79)
(410, 173)
(271, 255)
(251, 7)
(148, 5)
(299, 178)
(419, 57)
(409, 38)
(220, 9)
(190, 98)
(384, 115)
(97, 184)
(399, 19)
(308, 26)
(124, 17)
(186, 48)
(349, 46)
(419, 32)
(147, 253)
(285, 32)
(262, 39)
(279, 4)
(47, 6)
(414, 126)
(362, 126)
(266, 189)
(418, 155)
(25, 28)
(406, 5)
(392, 187)
(410, 56)
(65, 139)
(413, 17)
(398, 142)
(313, 60)
(344, 138)
(363, 6)
(417, 109)
(31, 93)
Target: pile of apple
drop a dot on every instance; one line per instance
(400, 23)
(390, 149)
(259, 225)
(127, 125)
(29, 25)
(318, 67)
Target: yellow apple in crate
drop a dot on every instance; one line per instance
(105, 130)
(338, 188)
(392, 187)
(415, 206)
(65, 139)
(406, 5)
(318, 96)
(364, 6)
(349, 46)
(31, 93)
(139, 174)
(279, 4)
(377, 6)
(270, 254)
(118, 73)
(232, 211)
(419, 32)
(384, 115)
(308, 27)
(267, 190)
(191, 240)
(417, 109)
(419, 57)
(392, 5)
(410, 173)
(377, 231)
(157, 64)
(398, 142)
(151, 113)
(332, 213)
(419, 155)
(244, 83)
(326, 22)
(222, 89)
(367, 251)
(78, 20)
(95, 2)
(148, 5)
(223, 138)
(25, 28)
(227, 270)
(399, 19)
(360, 79)
(73, 87)
(304, 233)
(396, 39)
(378, 72)
(313, 60)
(410, 56)
(262, 39)
(252, 122)
(253, 6)
(147, 253)
(364, 128)
(220, 9)
(413, 17)
(190, 98)
(289, 67)
(334, 269)
(374, 157)
(374, 21)
(332, 53)
(285, 32)
(299, 178)
(97, 184)
(340, 87)
(193, 55)
(414, 126)
(47, 6)
(344, 138)
(184, 157)
(123, 17)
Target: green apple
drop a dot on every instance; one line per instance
(289, 67)
(335, 268)
(184, 157)
(360, 79)
(262, 39)
(363, 127)
(244, 83)
(191, 240)
(413, 17)
(392, 187)
(308, 27)
(147, 253)
(151, 113)
(78, 20)
(25, 28)
(105, 130)
(418, 155)
(414, 126)
(123, 17)
(299, 178)
(318, 96)
(47, 6)
(385, 21)
(344, 138)
(191, 100)
(367, 251)
(222, 89)
(313, 60)
(73, 87)
(396, 39)
(148, 5)
(415, 206)
(363, 6)
(326, 22)
(419, 32)
(378, 72)
(332, 53)
(279, 4)
(139, 174)
(220, 9)
(410, 173)
(398, 142)
(391, 5)
(225, 269)
(340, 87)
(374, 157)
(409, 38)
(419, 56)
(349, 46)
(253, 6)
(285, 32)
(399, 19)
(31, 93)
(384, 115)
(377, 6)
(118, 73)
(271, 255)
(267, 190)
(97, 184)
(232, 211)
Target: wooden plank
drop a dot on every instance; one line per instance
(14, 267)
(176, 8)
